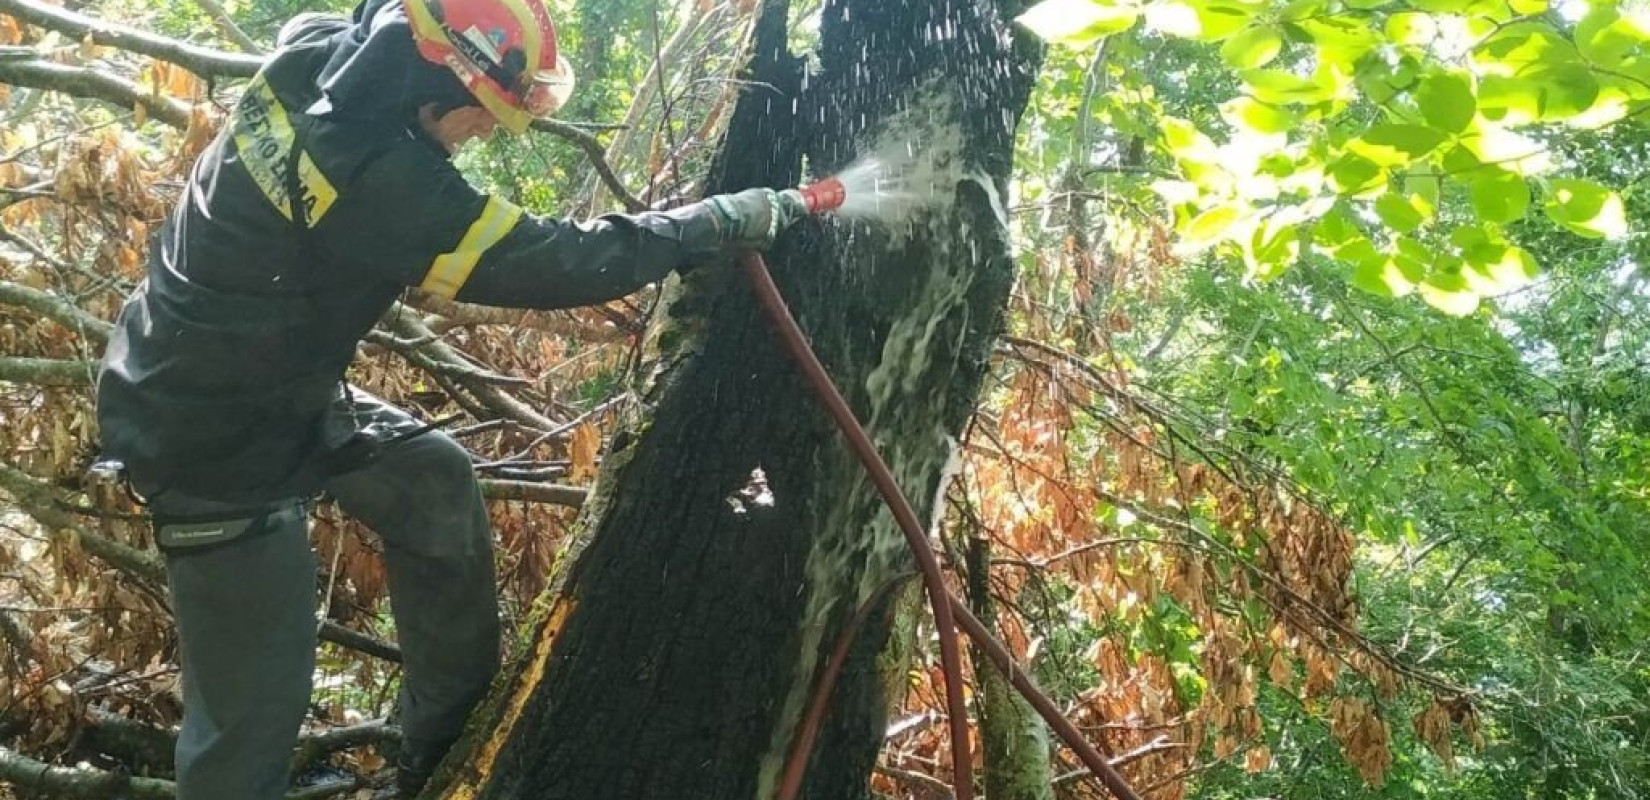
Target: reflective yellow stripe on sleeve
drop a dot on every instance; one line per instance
(450, 270)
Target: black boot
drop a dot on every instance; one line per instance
(416, 764)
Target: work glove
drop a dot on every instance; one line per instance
(753, 218)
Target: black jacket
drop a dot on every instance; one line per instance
(298, 229)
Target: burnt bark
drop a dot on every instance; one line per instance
(676, 654)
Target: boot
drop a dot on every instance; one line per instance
(416, 764)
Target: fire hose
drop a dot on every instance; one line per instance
(948, 610)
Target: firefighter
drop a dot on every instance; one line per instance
(328, 194)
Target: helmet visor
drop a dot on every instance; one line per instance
(549, 89)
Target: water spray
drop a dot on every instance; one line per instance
(886, 190)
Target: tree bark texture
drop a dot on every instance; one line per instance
(1014, 739)
(675, 655)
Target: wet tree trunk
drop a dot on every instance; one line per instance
(673, 658)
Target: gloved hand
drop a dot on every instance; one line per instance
(753, 218)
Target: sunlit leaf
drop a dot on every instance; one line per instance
(1253, 47)
(1380, 276)
(1392, 143)
(1521, 45)
(1567, 89)
(1399, 212)
(1247, 112)
(1446, 101)
(1604, 38)
(1354, 175)
(1338, 39)
(1509, 100)
(1077, 23)
(1279, 86)
(1586, 208)
(1408, 27)
(1208, 227)
(1495, 145)
(1500, 196)
(1448, 292)
(1498, 270)
(1202, 20)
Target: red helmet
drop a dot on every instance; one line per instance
(503, 50)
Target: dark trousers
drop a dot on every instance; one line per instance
(246, 613)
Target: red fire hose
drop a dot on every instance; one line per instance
(948, 610)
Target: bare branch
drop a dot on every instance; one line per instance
(555, 494)
(38, 73)
(32, 776)
(598, 159)
(359, 642)
(55, 308)
(199, 60)
(226, 23)
(494, 398)
(46, 371)
(413, 350)
(454, 313)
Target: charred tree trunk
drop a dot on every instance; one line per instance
(732, 534)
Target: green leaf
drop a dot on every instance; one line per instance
(1247, 112)
(1522, 45)
(1390, 143)
(1508, 150)
(1398, 212)
(1441, 6)
(1500, 196)
(1567, 89)
(1508, 99)
(1275, 244)
(1586, 208)
(1604, 38)
(1202, 20)
(1408, 27)
(1339, 40)
(1254, 47)
(1501, 269)
(1077, 23)
(1354, 175)
(1284, 88)
(1208, 227)
(1446, 101)
(1381, 276)
(1448, 292)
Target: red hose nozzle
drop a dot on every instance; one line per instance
(826, 195)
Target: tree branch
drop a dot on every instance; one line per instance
(495, 399)
(312, 747)
(32, 776)
(38, 73)
(202, 61)
(556, 494)
(413, 351)
(57, 309)
(46, 371)
(226, 23)
(359, 642)
(598, 159)
(453, 313)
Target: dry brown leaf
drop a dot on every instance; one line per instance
(582, 451)
(1257, 760)
(11, 31)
